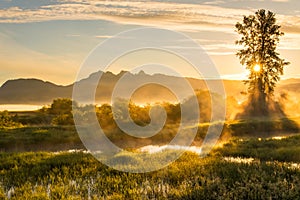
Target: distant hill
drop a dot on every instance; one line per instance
(34, 91)
(290, 86)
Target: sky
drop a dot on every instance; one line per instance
(50, 39)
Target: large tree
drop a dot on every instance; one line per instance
(259, 37)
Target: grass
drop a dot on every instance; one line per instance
(31, 168)
(47, 138)
(263, 127)
(44, 175)
(78, 175)
(265, 149)
(56, 138)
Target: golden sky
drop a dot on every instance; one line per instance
(49, 39)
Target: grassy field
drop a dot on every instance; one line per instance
(39, 138)
(251, 161)
(286, 149)
(250, 168)
(43, 175)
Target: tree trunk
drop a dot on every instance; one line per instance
(258, 105)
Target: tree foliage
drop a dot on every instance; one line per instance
(61, 106)
(62, 110)
(6, 120)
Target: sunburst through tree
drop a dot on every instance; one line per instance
(259, 37)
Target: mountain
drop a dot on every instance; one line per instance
(34, 91)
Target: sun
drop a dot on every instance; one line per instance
(256, 68)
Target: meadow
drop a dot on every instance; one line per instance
(78, 175)
(42, 157)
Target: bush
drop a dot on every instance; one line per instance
(64, 119)
(6, 120)
(62, 111)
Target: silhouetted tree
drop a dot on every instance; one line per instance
(61, 106)
(260, 37)
(62, 111)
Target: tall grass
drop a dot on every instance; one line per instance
(265, 149)
(80, 176)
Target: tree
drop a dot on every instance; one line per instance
(62, 111)
(61, 106)
(6, 120)
(260, 37)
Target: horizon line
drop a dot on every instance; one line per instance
(229, 77)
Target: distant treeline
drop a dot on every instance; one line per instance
(61, 111)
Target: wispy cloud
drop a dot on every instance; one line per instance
(290, 23)
(281, 1)
(103, 36)
(290, 41)
(179, 15)
(73, 35)
(126, 12)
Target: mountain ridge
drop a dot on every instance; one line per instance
(36, 91)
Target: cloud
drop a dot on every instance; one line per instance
(73, 35)
(166, 14)
(289, 23)
(214, 2)
(127, 12)
(284, 1)
(103, 36)
(207, 17)
(189, 17)
(290, 41)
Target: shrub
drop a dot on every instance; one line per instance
(6, 120)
